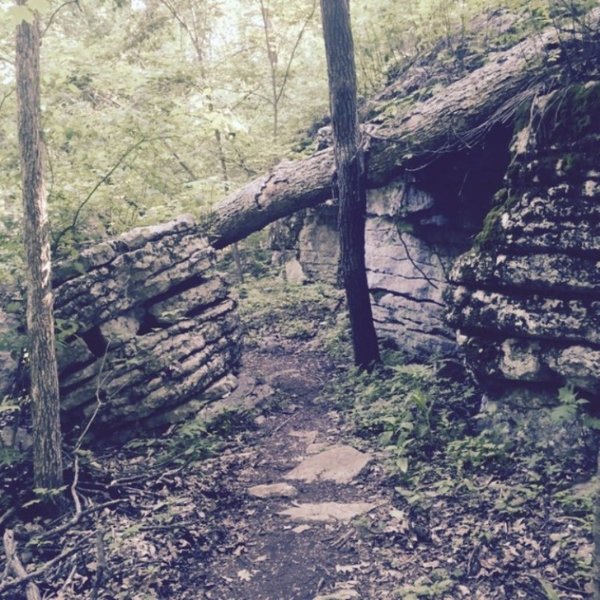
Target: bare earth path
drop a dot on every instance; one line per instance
(300, 485)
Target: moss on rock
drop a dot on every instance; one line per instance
(491, 235)
(572, 115)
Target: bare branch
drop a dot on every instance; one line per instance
(6, 96)
(295, 48)
(51, 19)
(16, 566)
(38, 572)
(102, 180)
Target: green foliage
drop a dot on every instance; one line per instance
(574, 114)
(45, 496)
(490, 449)
(569, 405)
(188, 442)
(281, 310)
(406, 408)
(434, 585)
(156, 109)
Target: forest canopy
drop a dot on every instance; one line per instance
(154, 108)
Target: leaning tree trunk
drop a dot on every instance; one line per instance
(47, 456)
(457, 117)
(341, 70)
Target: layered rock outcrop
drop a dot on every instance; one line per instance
(527, 297)
(148, 333)
(416, 228)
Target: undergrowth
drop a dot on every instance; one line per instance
(275, 311)
(491, 483)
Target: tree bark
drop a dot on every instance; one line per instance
(596, 536)
(349, 161)
(457, 117)
(47, 455)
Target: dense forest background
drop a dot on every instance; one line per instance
(158, 108)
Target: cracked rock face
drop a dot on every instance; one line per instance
(526, 298)
(155, 336)
(416, 228)
(406, 270)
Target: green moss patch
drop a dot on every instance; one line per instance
(572, 115)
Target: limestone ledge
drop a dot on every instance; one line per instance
(150, 327)
(534, 315)
(551, 273)
(521, 360)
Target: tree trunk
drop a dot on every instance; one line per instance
(596, 533)
(341, 70)
(47, 456)
(237, 259)
(271, 48)
(457, 117)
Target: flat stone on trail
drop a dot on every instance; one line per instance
(341, 595)
(316, 447)
(340, 464)
(273, 490)
(328, 511)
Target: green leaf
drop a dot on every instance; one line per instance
(20, 14)
(402, 464)
(567, 395)
(549, 590)
(42, 6)
(386, 437)
(592, 422)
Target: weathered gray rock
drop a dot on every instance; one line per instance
(526, 299)
(327, 512)
(341, 464)
(273, 490)
(408, 255)
(155, 334)
(318, 244)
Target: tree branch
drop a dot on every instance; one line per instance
(102, 180)
(295, 48)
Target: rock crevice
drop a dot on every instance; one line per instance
(153, 326)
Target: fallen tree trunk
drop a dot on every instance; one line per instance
(457, 117)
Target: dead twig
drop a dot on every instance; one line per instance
(69, 580)
(99, 382)
(40, 571)
(62, 528)
(100, 561)
(7, 515)
(15, 565)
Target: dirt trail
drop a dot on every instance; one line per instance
(273, 556)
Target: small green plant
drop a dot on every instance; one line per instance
(569, 405)
(409, 411)
(489, 450)
(432, 586)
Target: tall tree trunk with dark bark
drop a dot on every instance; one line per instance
(47, 457)
(349, 161)
(596, 534)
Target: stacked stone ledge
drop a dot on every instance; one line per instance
(152, 334)
(526, 299)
